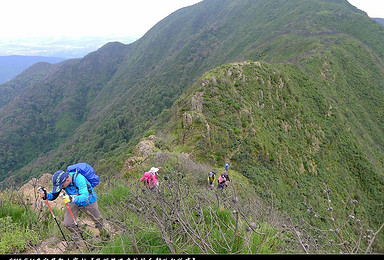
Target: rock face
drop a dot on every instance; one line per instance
(197, 102)
(143, 150)
(145, 146)
(187, 120)
(29, 191)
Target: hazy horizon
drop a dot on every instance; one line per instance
(36, 28)
(62, 47)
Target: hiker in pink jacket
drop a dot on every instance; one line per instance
(147, 177)
(222, 182)
(150, 178)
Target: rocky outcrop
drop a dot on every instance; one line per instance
(143, 150)
(30, 195)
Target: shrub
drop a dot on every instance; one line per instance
(14, 238)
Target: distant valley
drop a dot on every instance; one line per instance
(62, 47)
(11, 66)
(18, 54)
(288, 92)
(379, 20)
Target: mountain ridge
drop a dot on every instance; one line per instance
(11, 66)
(262, 138)
(379, 20)
(97, 108)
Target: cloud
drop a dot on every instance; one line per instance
(374, 8)
(37, 18)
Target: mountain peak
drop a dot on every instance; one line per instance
(304, 110)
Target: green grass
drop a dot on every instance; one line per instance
(17, 226)
(307, 115)
(14, 237)
(287, 135)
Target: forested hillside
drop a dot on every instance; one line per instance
(32, 75)
(289, 92)
(276, 127)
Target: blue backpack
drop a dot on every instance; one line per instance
(87, 171)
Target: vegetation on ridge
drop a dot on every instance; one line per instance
(275, 127)
(307, 117)
(184, 216)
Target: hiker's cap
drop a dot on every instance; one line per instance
(154, 170)
(58, 179)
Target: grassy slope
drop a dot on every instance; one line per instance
(278, 127)
(321, 127)
(157, 68)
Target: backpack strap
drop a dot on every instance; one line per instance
(74, 180)
(77, 188)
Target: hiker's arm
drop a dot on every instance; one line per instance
(52, 196)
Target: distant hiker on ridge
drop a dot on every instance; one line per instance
(222, 182)
(226, 174)
(150, 178)
(211, 178)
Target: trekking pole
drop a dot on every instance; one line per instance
(53, 215)
(74, 219)
(70, 211)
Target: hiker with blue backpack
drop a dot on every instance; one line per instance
(78, 182)
(226, 172)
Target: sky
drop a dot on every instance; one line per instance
(75, 18)
(374, 8)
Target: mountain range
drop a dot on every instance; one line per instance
(11, 66)
(289, 92)
(56, 46)
(19, 54)
(379, 20)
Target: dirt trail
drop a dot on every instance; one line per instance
(57, 245)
